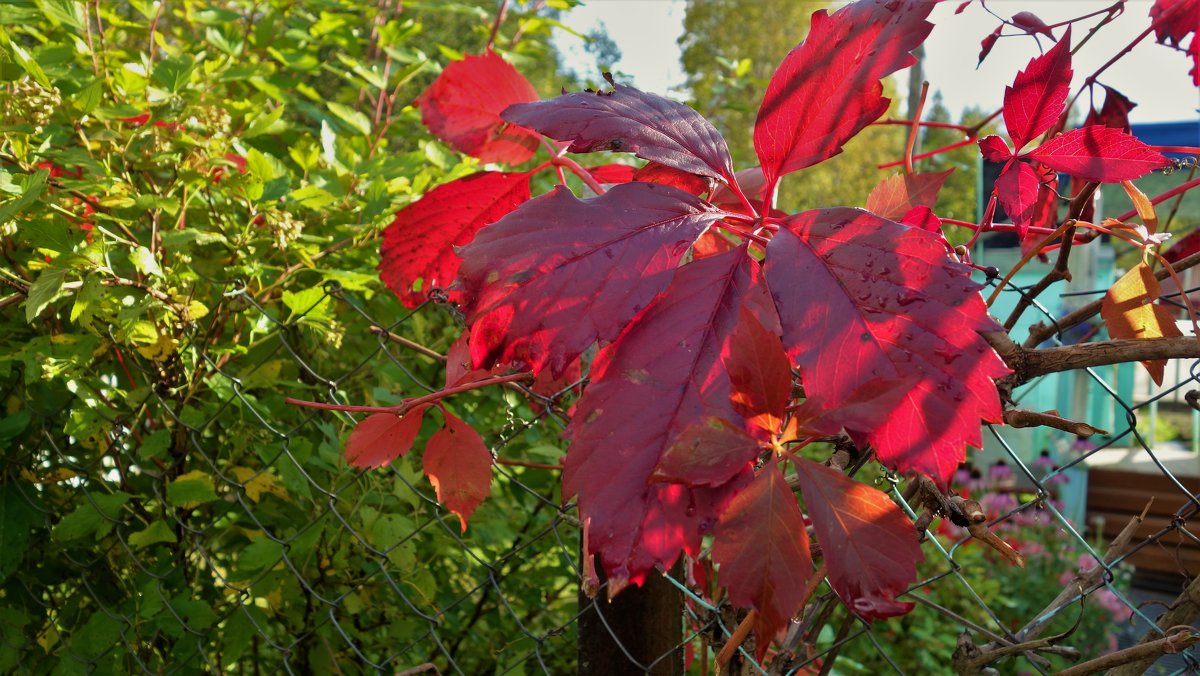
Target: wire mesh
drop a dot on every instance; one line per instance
(224, 532)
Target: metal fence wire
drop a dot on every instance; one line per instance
(217, 529)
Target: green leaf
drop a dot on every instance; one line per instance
(156, 532)
(312, 197)
(191, 490)
(173, 73)
(145, 262)
(90, 519)
(17, 517)
(12, 425)
(30, 65)
(34, 186)
(267, 123)
(86, 99)
(87, 300)
(313, 303)
(357, 120)
(258, 555)
(43, 290)
(155, 445)
(66, 12)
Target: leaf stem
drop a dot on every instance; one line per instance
(409, 404)
(583, 174)
(1182, 188)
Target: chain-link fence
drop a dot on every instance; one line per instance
(219, 529)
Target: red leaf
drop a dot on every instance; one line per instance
(630, 120)
(828, 87)
(459, 465)
(881, 301)
(612, 173)
(458, 363)
(760, 374)
(1030, 23)
(869, 544)
(1115, 111)
(420, 243)
(688, 182)
(923, 218)
(994, 149)
(899, 193)
(462, 107)
(709, 452)
(1038, 95)
(961, 6)
(1017, 190)
(380, 437)
(642, 397)
(546, 385)
(711, 243)
(560, 273)
(986, 44)
(1172, 21)
(1100, 154)
(762, 549)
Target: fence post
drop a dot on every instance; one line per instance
(646, 622)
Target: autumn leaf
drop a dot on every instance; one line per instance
(988, 42)
(869, 545)
(1030, 23)
(627, 119)
(828, 87)
(1115, 111)
(760, 375)
(1098, 153)
(1130, 312)
(612, 173)
(419, 246)
(380, 437)
(462, 107)
(560, 273)
(709, 452)
(1017, 191)
(1172, 21)
(640, 401)
(459, 465)
(994, 149)
(688, 182)
(1038, 95)
(761, 546)
(862, 298)
(897, 194)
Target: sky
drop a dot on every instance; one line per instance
(1153, 76)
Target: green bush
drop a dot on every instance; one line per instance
(190, 200)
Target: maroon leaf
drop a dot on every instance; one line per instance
(987, 43)
(688, 182)
(630, 120)
(1183, 248)
(868, 543)
(612, 173)
(891, 307)
(710, 452)
(419, 244)
(760, 375)
(762, 549)
(641, 399)
(546, 385)
(1172, 21)
(1017, 190)
(462, 107)
(899, 193)
(1115, 111)
(828, 87)
(458, 363)
(1030, 23)
(962, 6)
(560, 273)
(711, 243)
(994, 149)
(459, 465)
(379, 438)
(1038, 95)
(1100, 154)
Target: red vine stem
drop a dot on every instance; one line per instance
(915, 130)
(931, 153)
(409, 404)
(583, 174)
(501, 11)
(1191, 150)
(935, 125)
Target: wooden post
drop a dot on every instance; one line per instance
(646, 622)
